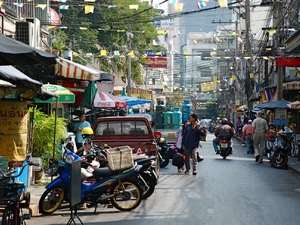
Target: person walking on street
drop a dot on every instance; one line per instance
(247, 133)
(179, 134)
(190, 143)
(204, 122)
(260, 127)
(78, 128)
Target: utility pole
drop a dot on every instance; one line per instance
(249, 84)
(182, 67)
(279, 24)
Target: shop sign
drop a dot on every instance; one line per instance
(13, 130)
(156, 62)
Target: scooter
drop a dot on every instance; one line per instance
(116, 187)
(93, 154)
(163, 150)
(225, 146)
(282, 149)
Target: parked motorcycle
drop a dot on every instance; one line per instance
(147, 178)
(282, 150)
(163, 150)
(93, 154)
(225, 146)
(116, 187)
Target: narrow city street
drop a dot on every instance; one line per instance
(235, 191)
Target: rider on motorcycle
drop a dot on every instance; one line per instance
(223, 129)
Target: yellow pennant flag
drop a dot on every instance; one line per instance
(215, 79)
(42, 6)
(233, 77)
(179, 7)
(88, 9)
(160, 32)
(103, 52)
(223, 3)
(133, 6)
(51, 27)
(251, 75)
(131, 53)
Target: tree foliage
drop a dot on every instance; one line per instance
(108, 29)
(213, 109)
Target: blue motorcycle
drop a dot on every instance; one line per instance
(110, 187)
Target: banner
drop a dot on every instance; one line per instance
(156, 62)
(13, 130)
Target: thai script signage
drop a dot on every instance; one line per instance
(156, 62)
(13, 130)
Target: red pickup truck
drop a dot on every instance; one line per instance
(134, 131)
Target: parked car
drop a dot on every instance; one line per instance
(134, 131)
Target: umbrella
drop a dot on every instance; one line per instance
(105, 100)
(130, 101)
(62, 93)
(294, 105)
(89, 94)
(241, 109)
(281, 104)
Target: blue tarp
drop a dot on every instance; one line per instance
(131, 101)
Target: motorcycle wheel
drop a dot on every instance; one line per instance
(151, 182)
(279, 160)
(51, 200)
(164, 160)
(127, 195)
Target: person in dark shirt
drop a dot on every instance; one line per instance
(190, 143)
(223, 129)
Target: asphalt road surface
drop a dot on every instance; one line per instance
(235, 191)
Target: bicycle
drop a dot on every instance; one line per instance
(13, 196)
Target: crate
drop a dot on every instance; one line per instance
(10, 191)
(120, 158)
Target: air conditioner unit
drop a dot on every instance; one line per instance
(25, 33)
(37, 31)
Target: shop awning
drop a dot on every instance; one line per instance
(14, 76)
(13, 52)
(72, 70)
(294, 85)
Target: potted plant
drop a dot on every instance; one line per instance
(43, 136)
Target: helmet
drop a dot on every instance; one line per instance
(224, 121)
(87, 132)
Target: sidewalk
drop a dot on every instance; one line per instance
(293, 163)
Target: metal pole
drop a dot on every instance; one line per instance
(54, 138)
(129, 36)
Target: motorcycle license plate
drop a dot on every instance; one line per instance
(223, 145)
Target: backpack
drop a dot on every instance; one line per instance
(178, 160)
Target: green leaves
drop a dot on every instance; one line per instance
(43, 133)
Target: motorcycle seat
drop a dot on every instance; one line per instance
(141, 161)
(103, 172)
